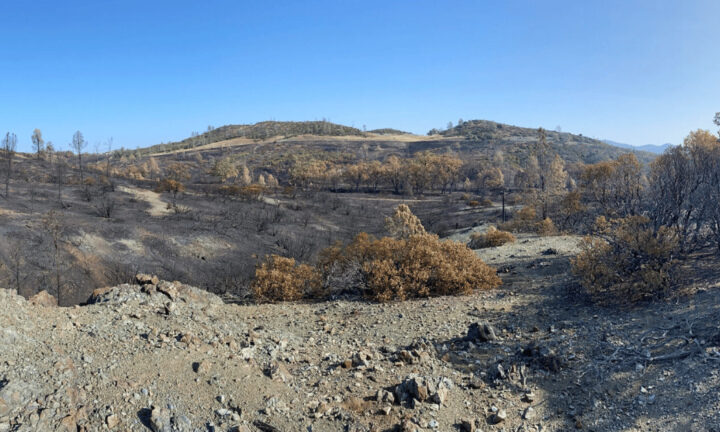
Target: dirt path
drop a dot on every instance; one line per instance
(157, 208)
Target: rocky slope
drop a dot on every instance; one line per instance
(163, 356)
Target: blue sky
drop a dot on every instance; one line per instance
(143, 72)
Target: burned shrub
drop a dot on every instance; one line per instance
(628, 260)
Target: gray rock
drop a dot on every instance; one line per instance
(481, 332)
(160, 420)
(499, 416)
(529, 413)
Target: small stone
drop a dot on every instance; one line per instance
(202, 367)
(160, 420)
(441, 395)
(529, 413)
(408, 426)
(529, 397)
(499, 416)
(112, 421)
(481, 332)
(467, 425)
(386, 410)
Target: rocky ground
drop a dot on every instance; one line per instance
(529, 356)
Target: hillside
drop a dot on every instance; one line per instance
(478, 139)
(257, 131)
(515, 140)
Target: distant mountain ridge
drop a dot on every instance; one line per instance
(651, 148)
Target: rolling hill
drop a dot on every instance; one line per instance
(474, 138)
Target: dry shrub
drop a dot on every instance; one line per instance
(403, 223)
(411, 264)
(170, 185)
(473, 203)
(545, 227)
(486, 202)
(402, 268)
(492, 238)
(281, 279)
(627, 261)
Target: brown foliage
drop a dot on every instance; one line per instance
(492, 238)
(402, 268)
(170, 185)
(546, 227)
(403, 223)
(280, 279)
(627, 261)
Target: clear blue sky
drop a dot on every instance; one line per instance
(150, 71)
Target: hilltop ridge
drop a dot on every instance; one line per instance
(469, 137)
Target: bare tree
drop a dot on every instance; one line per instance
(55, 230)
(9, 145)
(16, 260)
(78, 144)
(38, 142)
(59, 171)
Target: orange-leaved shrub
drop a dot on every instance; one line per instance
(492, 238)
(420, 265)
(628, 260)
(411, 263)
(281, 279)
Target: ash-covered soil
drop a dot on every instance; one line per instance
(529, 356)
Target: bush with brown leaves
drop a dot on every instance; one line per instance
(420, 265)
(281, 279)
(628, 260)
(492, 238)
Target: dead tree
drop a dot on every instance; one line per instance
(55, 230)
(9, 145)
(78, 144)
